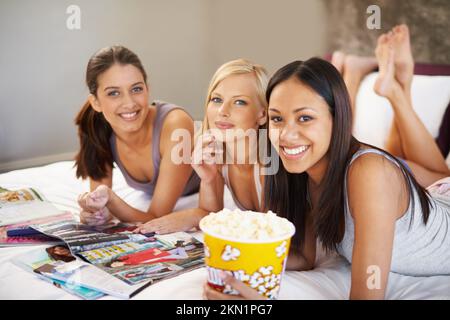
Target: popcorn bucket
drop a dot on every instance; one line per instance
(259, 264)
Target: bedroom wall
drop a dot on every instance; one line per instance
(428, 20)
(43, 63)
(268, 32)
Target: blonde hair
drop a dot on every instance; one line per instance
(238, 66)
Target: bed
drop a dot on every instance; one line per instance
(329, 280)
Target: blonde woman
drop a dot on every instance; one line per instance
(225, 153)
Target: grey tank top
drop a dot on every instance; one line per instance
(162, 109)
(418, 249)
(257, 184)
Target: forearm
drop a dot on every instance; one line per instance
(191, 217)
(368, 282)
(366, 294)
(209, 197)
(107, 181)
(126, 213)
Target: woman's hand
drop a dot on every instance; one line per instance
(166, 224)
(101, 217)
(93, 206)
(95, 200)
(204, 157)
(173, 222)
(245, 292)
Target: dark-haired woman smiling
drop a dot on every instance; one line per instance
(353, 198)
(118, 124)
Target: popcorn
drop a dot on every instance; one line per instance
(251, 246)
(246, 225)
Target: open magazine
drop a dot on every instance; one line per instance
(21, 234)
(23, 205)
(21, 208)
(116, 261)
(35, 260)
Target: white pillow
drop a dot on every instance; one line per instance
(373, 115)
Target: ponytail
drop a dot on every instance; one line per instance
(94, 159)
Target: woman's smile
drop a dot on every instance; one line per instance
(130, 116)
(294, 152)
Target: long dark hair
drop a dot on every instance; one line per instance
(286, 193)
(95, 156)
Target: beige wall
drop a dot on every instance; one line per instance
(181, 43)
(43, 65)
(271, 33)
(428, 20)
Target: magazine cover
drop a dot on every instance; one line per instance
(134, 259)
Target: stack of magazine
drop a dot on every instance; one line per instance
(21, 208)
(110, 260)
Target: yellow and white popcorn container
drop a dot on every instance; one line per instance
(252, 246)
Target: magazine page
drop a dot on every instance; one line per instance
(75, 273)
(150, 260)
(37, 258)
(15, 197)
(23, 205)
(134, 259)
(80, 237)
(84, 274)
(19, 234)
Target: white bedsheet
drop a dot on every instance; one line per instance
(329, 280)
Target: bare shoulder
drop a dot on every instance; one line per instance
(177, 118)
(373, 166)
(372, 177)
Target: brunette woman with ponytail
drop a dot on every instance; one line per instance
(118, 125)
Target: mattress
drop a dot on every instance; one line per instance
(329, 280)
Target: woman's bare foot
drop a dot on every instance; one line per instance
(404, 62)
(359, 66)
(386, 84)
(337, 60)
(355, 68)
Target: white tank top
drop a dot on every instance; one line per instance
(418, 249)
(257, 184)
